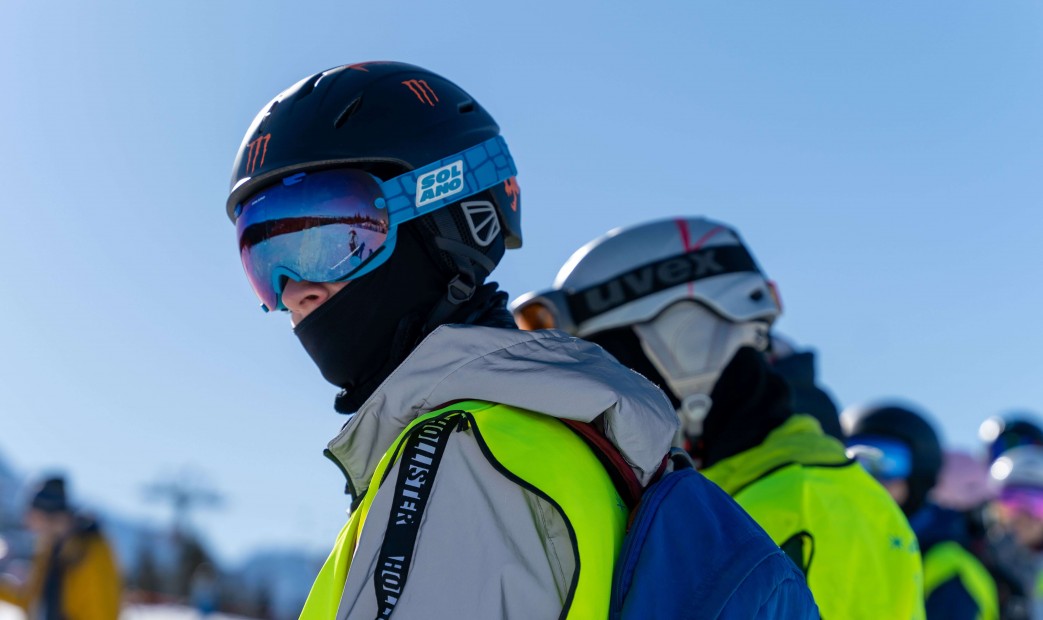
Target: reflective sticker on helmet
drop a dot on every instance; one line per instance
(440, 184)
(482, 221)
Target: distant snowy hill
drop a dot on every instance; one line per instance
(284, 576)
(11, 484)
(281, 578)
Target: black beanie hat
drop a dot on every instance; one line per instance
(50, 496)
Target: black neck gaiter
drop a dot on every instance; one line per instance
(361, 334)
(749, 401)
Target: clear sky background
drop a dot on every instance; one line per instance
(883, 160)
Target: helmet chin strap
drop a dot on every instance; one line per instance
(462, 287)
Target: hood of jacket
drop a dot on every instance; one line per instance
(548, 372)
(799, 440)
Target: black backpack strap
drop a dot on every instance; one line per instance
(418, 463)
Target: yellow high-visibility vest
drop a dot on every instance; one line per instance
(859, 554)
(538, 450)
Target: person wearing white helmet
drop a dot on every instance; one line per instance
(683, 302)
(1015, 521)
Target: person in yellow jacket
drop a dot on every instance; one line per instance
(683, 302)
(74, 575)
(901, 449)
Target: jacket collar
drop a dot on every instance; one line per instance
(547, 371)
(799, 440)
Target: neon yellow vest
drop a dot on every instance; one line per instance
(539, 450)
(860, 555)
(949, 560)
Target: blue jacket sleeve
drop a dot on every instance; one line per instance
(774, 590)
(951, 601)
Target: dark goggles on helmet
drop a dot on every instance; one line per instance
(337, 224)
(884, 458)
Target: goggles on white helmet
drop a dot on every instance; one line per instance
(331, 225)
(695, 259)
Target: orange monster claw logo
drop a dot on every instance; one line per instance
(258, 148)
(511, 187)
(422, 91)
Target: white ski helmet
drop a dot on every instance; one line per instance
(1018, 467)
(632, 274)
(688, 288)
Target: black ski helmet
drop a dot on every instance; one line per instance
(385, 118)
(1010, 430)
(911, 428)
(389, 120)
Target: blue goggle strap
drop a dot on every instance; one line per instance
(431, 187)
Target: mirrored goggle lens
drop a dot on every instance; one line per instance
(883, 458)
(534, 315)
(546, 310)
(1022, 499)
(322, 226)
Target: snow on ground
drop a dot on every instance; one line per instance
(10, 612)
(169, 612)
(135, 612)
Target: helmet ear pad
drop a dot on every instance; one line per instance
(465, 237)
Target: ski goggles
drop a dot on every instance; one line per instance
(337, 224)
(1026, 500)
(568, 310)
(884, 458)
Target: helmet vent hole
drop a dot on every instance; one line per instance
(346, 114)
(263, 125)
(466, 107)
(307, 88)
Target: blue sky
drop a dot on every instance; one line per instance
(882, 160)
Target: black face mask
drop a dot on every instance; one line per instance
(364, 331)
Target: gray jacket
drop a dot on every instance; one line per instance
(488, 548)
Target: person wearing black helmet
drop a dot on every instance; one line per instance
(902, 450)
(471, 498)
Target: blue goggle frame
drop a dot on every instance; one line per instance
(405, 197)
(884, 458)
